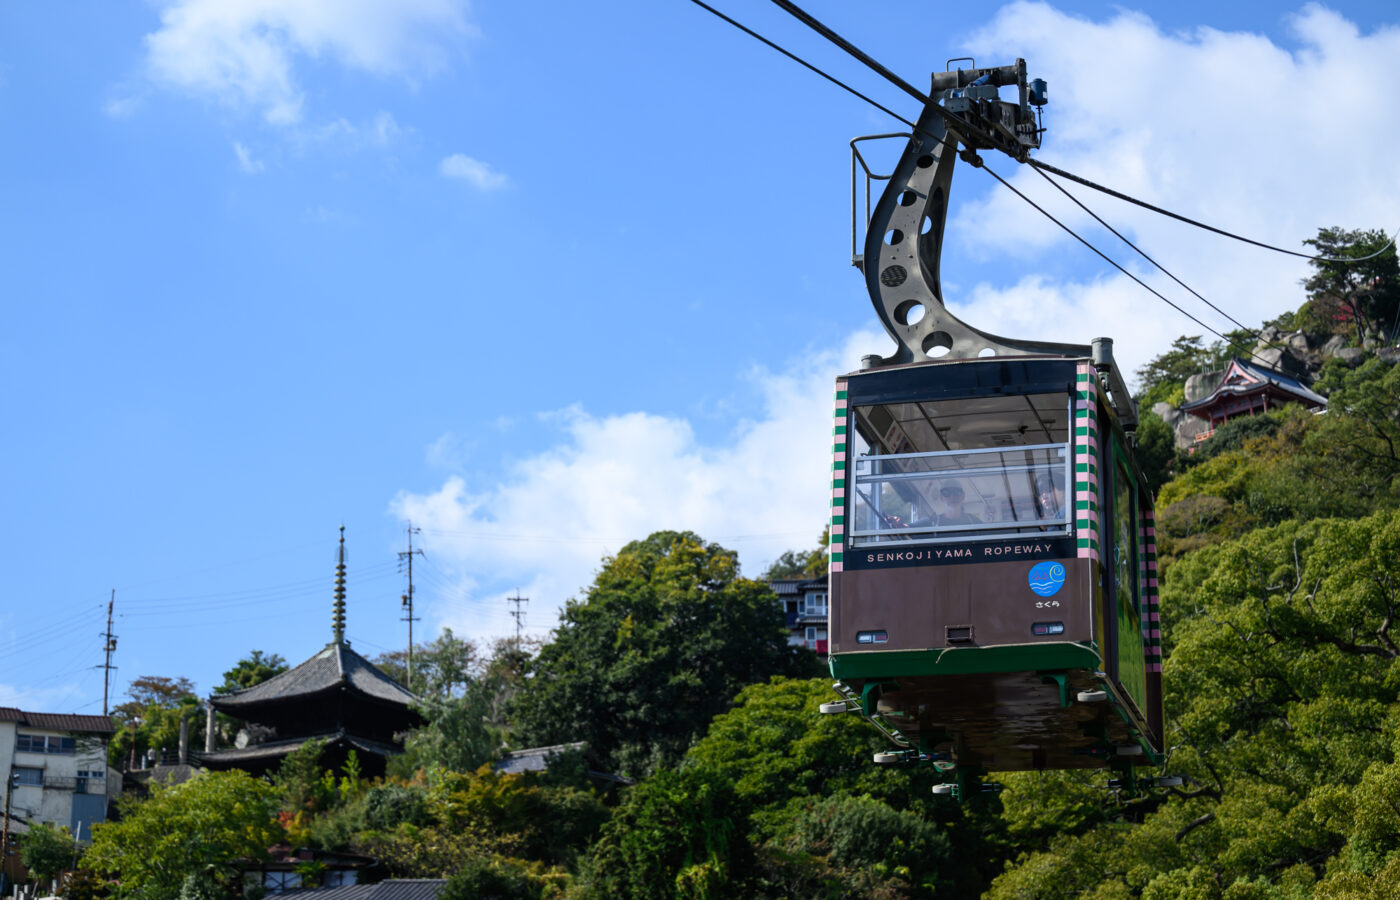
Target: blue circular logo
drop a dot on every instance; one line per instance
(1046, 578)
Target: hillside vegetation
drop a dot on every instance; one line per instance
(1280, 546)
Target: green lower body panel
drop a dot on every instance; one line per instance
(963, 660)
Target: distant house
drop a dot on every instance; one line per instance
(1248, 389)
(539, 759)
(804, 609)
(337, 696)
(388, 889)
(286, 865)
(57, 768)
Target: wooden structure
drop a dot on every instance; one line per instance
(336, 696)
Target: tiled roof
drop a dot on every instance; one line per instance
(1264, 376)
(389, 889)
(276, 749)
(59, 721)
(334, 667)
(786, 586)
(535, 759)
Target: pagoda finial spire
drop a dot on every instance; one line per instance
(338, 617)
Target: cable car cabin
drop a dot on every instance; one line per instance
(993, 566)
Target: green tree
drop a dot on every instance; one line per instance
(1156, 450)
(801, 563)
(150, 719)
(785, 759)
(666, 636)
(1162, 376)
(1280, 685)
(443, 667)
(180, 830)
(47, 850)
(1361, 297)
(678, 834)
(253, 669)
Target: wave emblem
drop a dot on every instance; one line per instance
(1046, 578)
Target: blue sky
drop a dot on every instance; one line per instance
(543, 278)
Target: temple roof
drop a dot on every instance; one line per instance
(271, 750)
(335, 667)
(1243, 377)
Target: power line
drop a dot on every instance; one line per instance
(109, 644)
(407, 556)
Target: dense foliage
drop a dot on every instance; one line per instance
(178, 832)
(1279, 540)
(665, 637)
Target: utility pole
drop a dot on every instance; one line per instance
(407, 555)
(109, 645)
(518, 614)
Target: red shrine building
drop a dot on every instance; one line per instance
(1247, 389)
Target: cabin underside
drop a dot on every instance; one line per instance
(1012, 721)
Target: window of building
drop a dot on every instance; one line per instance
(963, 469)
(814, 604)
(28, 776)
(45, 743)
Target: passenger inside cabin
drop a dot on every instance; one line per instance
(953, 512)
(1051, 488)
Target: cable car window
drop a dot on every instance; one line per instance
(973, 468)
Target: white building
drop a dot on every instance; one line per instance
(56, 767)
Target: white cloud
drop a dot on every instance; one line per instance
(478, 174)
(246, 164)
(544, 527)
(244, 52)
(1227, 128)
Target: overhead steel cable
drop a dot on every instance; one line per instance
(802, 62)
(811, 22)
(1038, 208)
(1044, 167)
(963, 125)
(1163, 269)
(875, 66)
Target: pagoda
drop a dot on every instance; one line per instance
(336, 696)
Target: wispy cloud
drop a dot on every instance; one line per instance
(246, 164)
(478, 174)
(245, 52)
(544, 526)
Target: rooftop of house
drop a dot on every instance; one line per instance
(791, 586)
(58, 721)
(388, 889)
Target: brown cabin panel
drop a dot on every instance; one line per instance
(917, 605)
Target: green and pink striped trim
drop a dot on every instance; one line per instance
(1086, 465)
(1151, 616)
(837, 544)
